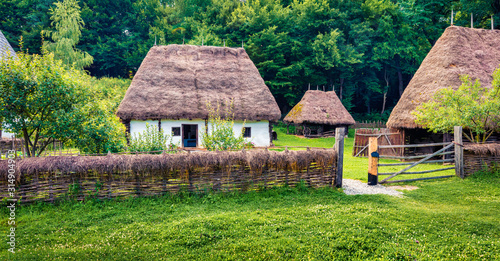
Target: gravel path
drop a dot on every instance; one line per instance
(356, 187)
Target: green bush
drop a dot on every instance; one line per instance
(151, 139)
(220, 135)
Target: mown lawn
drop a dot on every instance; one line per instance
(450, 219)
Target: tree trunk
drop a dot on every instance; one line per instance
(368, 108)
(26, 144)
(383, 103)
(341, 87)
(386, 78)
(400, 75)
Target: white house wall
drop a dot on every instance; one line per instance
(167, 126)
(259, 129)
(6, 134)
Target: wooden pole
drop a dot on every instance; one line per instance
(459, 152)
(373, 161)
(339, 148)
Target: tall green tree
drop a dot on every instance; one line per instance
(68, 24)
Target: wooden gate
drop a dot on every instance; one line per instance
(451, 152)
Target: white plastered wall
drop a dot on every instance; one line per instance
(167, 125)
(259, 129)
(6, 134)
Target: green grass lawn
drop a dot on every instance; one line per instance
(448, 219)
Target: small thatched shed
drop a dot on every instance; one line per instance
(5, 52)
(458, 51)
(319, 113)
(175, 83)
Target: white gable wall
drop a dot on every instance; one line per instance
(259, 129)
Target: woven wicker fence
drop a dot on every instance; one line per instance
(481, 156)
(52, 178)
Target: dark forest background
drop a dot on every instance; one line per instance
(366, 50)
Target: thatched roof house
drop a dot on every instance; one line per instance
(320, 108)
(174, 84)
(177, 81)
(458, 51)
(5, 48)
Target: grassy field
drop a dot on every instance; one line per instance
(449, 219)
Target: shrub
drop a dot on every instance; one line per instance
(219, 134)
(152, 139)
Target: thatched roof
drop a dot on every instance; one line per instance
(177, 81)
(319, 107)
(5, 48)
(458, 51)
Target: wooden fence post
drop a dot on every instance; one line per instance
(339, 148)
(373, 161)
(459, 152)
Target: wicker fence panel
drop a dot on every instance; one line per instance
(79, 177)
(476, 162)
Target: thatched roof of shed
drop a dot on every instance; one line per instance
(319, 107)
(5, 48)
(458, 51)
(177, 81)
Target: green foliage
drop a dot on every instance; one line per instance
(219, 134)
(475, 108)
(41, 101)
(44, 101)
(101, 131)
(374, 116)
(152, 139)
(376, 48)
(111, 90)
(68, 24)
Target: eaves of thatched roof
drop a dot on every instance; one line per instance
(318, 107)
(177, 82)
(458, 51)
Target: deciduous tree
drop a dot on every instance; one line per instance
(475, 108)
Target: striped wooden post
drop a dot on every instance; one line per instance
(373, 161)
